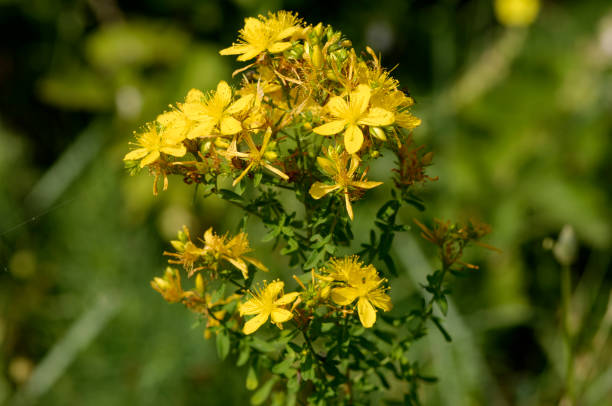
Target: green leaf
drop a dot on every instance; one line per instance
(218, 294)
(257, 178)
(251, 381)
(245, 353)
(263, 392)
(284, 366)
(442, 304)
(438, 324)
(227, 194)
(223, 343)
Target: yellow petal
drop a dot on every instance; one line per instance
(359, 99)
(174, 150)
(230, 126)
(149, 159)
(318, 190)
(331, 128)
(380, 299)
(355, 161)
(224, 93)
(288, 32)
(275, 288)
(407, 120)
(136, 154)
(365, 185)
(281, 315)
(200, 130)
(243, 174)
(240, 264)
(338, 107)
(168, 117)
(276, 171)
(367, 313)
(194, 96)
(236, 49)
(353, 139)
(251, 53)
(349, 207)
(241, 105)
(286, 299)
(257, 264)
(279, 47)
(377, 117)
(327, 165)
(252, 325)
(344, 296)
(249, 307)
(195, 111)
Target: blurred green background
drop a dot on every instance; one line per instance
(520, 120)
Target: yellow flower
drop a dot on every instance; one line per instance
(265, 34)
(398, 103)
(351, 114)
(361, 283)
(215, 112)
(256, 156)
(516, 13)
(232, 251)
(267, 303)
(169, 286)
(187, 252)
(153, 141)
(336, 167)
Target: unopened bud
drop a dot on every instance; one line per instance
(378, 133)
(161, 283)
(270, 155)
(204, 147)
(221, 143)
(199, 283)
(316, 57)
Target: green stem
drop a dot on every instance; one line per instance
(567, 338)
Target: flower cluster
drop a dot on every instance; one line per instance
(308, 118)
(348, 278)
(305, 93)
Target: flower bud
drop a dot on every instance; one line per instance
(199, 283)
(378, 133)
(316, 57)
(221, 143)
(270, 155)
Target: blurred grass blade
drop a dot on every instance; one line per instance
(68, 166)
(62, 354)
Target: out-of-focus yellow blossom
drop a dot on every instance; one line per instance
(232, 251)
(170, 286)
(265, 34)
(215, 317)
(269, 302)
(152, 142)
(516, 13)
(360, 283)
(335, 165)
(349, 115)
(256, 156)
